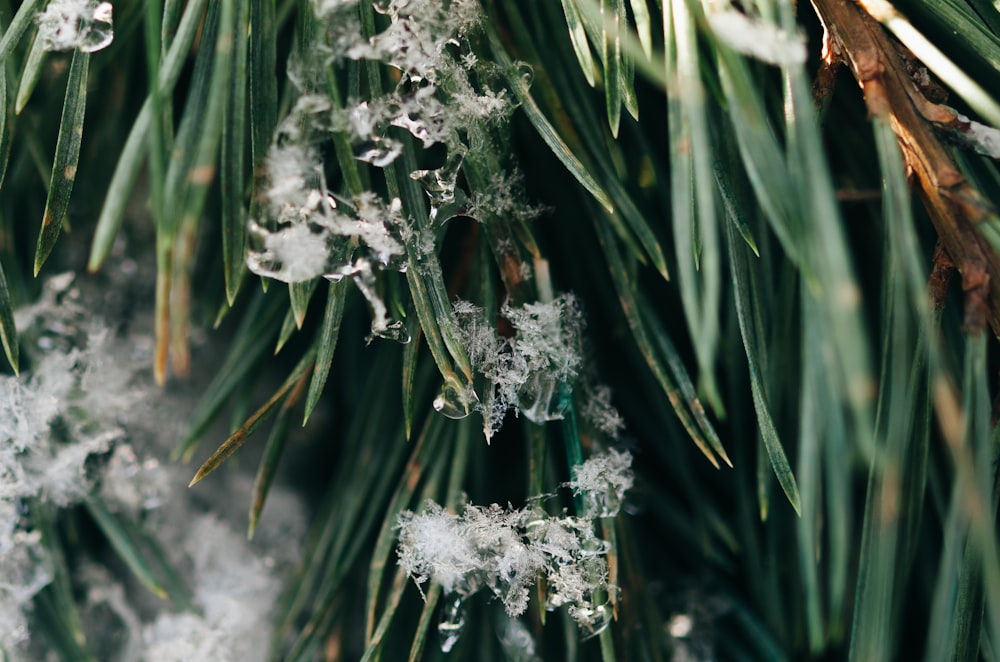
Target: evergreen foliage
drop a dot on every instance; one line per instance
(669, 324)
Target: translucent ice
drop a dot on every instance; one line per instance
(455, 401)
(439, 183)
(524, 372)
(516, 640)
(451, 625)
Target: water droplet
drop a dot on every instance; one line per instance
(394, 331)
(455, 401)
(380, 152)
(451, 625)
(592, 620)
(101, 31)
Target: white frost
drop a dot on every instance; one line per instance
(83, 25)
(602, 482)
(434, 545)
(600, 413)
(523, 373)
(983, 139)
(292, 255)
(507, 550)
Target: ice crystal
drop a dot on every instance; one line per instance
(504, 198)
(419, 34)
(84, 25)
(549, 335)
(444, 95)
(24, 571)
(602, 481)
(293, 254)
(524, 372)
(598, 411)
(434, 545)
(235, 591)
(506, 550)
(485, 547)
(86, 420)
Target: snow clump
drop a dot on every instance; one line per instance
(523, 372)
(83, 25)
(506, 550)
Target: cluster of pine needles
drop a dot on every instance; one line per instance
(779, 227)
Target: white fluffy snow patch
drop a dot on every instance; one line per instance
(84, 25)
(507, 550)
(293, 254)
(602, 481)
(983, 139)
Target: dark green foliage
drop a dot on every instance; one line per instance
(753, 250)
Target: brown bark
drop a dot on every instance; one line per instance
(890, 92)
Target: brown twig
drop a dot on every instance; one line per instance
(941, 272)
(890, 92)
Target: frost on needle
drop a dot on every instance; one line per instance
(507, 550)
(523, 372)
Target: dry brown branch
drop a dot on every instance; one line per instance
(890, 92)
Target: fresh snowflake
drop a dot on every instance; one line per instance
(602, 482)
(507, 550)
(434, 545)
(84, 25)
(523, 373)
(600, 413)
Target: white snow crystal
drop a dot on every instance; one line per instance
(523, 373)
(505, 198)
(52, 421)
(507, 550)
(292, 255)
(602, 481)
(434, 545)
(983, 139)
(289, 168)
(85, 25)
(24, 571)
(600, 413)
